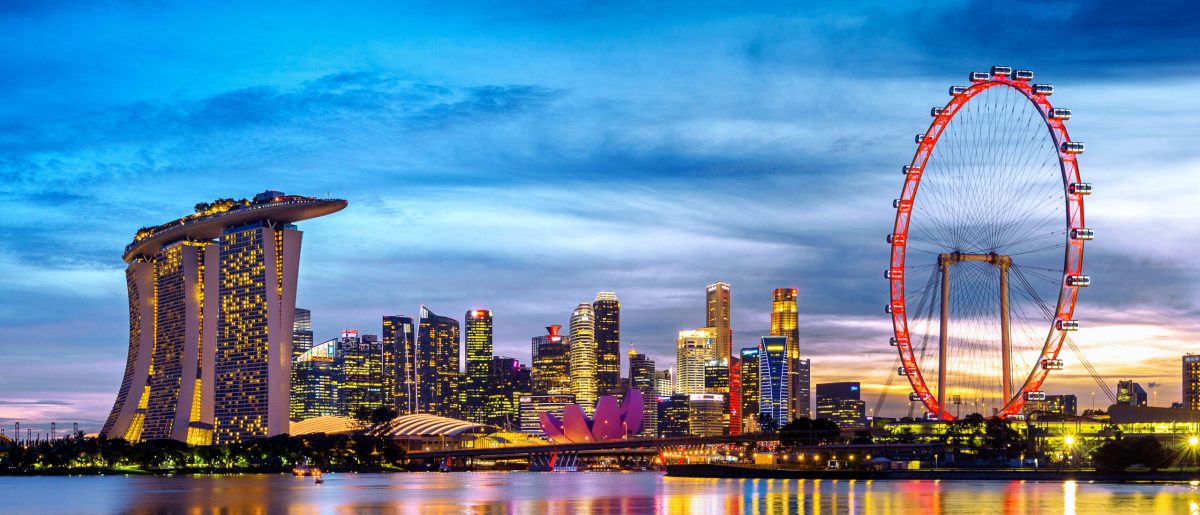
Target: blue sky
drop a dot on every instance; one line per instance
(522, 158)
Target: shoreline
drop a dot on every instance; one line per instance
(755, 472)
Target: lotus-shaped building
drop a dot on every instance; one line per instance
(613, 420)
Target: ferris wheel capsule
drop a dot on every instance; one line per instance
(1023, 75)
(1035, 396)
(919, 138)
(978, 76)
(1043, 89)
(1060, 113)
(1083, 234)
(1072, 147)
(1082, 188)
(935, 111)
(893, 341)
(1002, 71)
(957, 90)
(906, 169)
(1067, 325)
(1079, 281)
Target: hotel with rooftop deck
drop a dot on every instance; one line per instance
(212, 299)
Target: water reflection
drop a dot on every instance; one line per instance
(578, 493)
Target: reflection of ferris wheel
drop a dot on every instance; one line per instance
(987, 248)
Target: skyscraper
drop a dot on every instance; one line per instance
(693, 351)
(607, 310)
(360, 360)
(398, 362)
(773, 373)
(673, 415)
(750, 386)
(302, 342)
(735, 396)
(315, 382)
(664, 385)
(785, 321)
(437, 365)
(803, 384)
(551, 371)
(1191, 381)
(583, 356)
(717, 317)
(473, 394)
(706, 414)
(211, 321)
(503, 391)
(642, 377)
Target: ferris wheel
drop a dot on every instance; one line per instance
(987, 248)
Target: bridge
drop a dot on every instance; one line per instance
(624, 447)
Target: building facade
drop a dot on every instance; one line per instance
(1131, 393)
(717, 308)
(359, 359)
(583, 356)
(532, 406)
(773, 380)
(399, 365)
(693, 351)
(750, 386)
(316, 381)
(607, 310)
(664, 382)
(642, 378)
(474, 392)
(706, 414)
(842, 403)
(673, 415)
(1191, 381)
(551, 370)
(437, 359)
(802, 382)
(785, 321)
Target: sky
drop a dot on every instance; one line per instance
(523, 158)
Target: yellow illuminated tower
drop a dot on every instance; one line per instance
(693, 351)
(785, 321)
(583, 356)
(607, 310)
(437, 377)
(211, 312)
(474, 392)
(717, 317)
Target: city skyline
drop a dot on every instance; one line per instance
(633, 188)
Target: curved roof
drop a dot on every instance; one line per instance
(329, 425)
(289, 208)
(430, 425)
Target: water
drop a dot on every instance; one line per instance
(575, 493)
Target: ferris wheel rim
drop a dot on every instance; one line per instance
(1073, 249)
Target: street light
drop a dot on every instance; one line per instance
(1069, 441)
(1193, 441)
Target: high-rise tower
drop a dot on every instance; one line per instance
(772, 380)
(399, 365)
(473, 394)
(717, 317)
(608, 342)
(583, 356)
(551, 371)
(693, 351)
(211, 321)
(437, 365)
(785, 321)
(1191, 381)
(641, 377)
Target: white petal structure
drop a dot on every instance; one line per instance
(613, 420)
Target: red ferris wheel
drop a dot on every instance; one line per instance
(987, 248)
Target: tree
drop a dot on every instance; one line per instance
(805, 431)
(767, 424)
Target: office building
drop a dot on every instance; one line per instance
(750, 385)
(551, 371)
(360, 361)
(642, 377)
(801, 381)
(473, 393)
(734, 404)
(506, 383)
(399, 365)
(673, 415)
(842, 403)
(1054, 404)
(1191, 381)
(211, 322)
(693, 351)
(706, 414)
(785, 321)
(302, 334)
(717, 304)
(437, 365)
(583, 356)
(664, 384)
(607, 310)
(773, 380)
(532, 406)
(315, 384)
(1131, 393)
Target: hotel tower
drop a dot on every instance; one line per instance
(212, 305)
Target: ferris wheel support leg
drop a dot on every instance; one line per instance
(1005, 340)
(943, 336)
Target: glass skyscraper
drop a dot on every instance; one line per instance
(607, 310)
(785, 321)
(398, 362)
(642, 377)
(693, 351)
(773, 398)
(583, 357)
(360, 361)
(473, 393)
(750, 386)
(437, 365)
(315, 382)
(551, 371)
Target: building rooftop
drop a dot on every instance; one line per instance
(211, 218)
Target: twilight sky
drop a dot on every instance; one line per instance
(522, 158)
